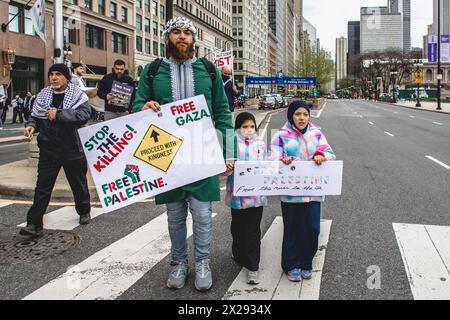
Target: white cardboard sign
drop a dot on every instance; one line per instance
(301, 178)
(145, 154)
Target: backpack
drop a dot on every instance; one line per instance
(210, 68)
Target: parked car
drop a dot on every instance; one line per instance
(267, 101)
(281, 102)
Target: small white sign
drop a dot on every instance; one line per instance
(301, 178)
(222, 59)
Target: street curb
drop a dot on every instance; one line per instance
(267, 116)
(413, 108)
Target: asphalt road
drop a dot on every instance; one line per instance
(387, 179)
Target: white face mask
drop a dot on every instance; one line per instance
(248, 132)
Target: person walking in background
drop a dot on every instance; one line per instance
(58, 112)
(28, 105)
(299, 139)
(246, 212)
(231, 89)
(105, 87)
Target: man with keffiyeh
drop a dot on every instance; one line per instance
(59, 110)
(182, 76)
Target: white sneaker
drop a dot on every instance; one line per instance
(253, 277)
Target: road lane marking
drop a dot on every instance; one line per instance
(438, 162)
(371, 123)
(321, 110)
(395, 112)
(438, 123)
(108, 273)
(412, 117)
(389, 134)
(274, 284)
(5, 204)
(65, 218)
(425, 252)
(263, 132)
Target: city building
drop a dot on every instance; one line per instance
(251, 40)
(445, 17)
(404, 8)
(96, 33)
(150, 20)
(380, 29)
(354, 44)
(311, 33)
(213, 19)
(341, 60)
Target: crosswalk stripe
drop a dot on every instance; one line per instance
(110, 272)
(273, 283)
(65, 218)
(425, 252)
(5, 204)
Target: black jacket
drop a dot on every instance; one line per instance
(59, 139)
(105, 85)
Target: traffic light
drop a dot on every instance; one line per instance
(315, 92)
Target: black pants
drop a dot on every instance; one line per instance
(15, 113)
(301, 234)
(246, 232)
(48, 169)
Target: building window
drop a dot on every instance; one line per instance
(29, 29)
(88, 4)
(101, 7)
(147, 5)
(155, 8)
(162, 11)
(147, 25)
(138, 3)
(119, 43)
(155, 28)
(155, 48)
(139, 22)
(94, 37)
(124, 15)
(163, 50)
(148, 45)
(113, 10)
(139, 44)
(70, 31)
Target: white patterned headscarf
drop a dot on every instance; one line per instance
(179, 23)
(73, 98)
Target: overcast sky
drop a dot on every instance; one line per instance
(330, 18)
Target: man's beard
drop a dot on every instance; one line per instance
(178, 55)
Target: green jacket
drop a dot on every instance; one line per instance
(208, 189)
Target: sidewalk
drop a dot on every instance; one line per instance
(426, 106)
(18, 179)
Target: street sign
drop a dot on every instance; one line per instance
(419, 76)
(280, 81)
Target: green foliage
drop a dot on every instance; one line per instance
(313, 63)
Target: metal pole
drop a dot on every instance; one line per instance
(439, 57)
(59, 31)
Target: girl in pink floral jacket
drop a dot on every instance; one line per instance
(299, 139)
(247, 211)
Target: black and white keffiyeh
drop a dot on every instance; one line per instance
(73, 98)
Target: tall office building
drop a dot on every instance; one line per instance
(445, 17)
(341, 59)
(251, 41)
(404, 8)
(354, 44)
(380, 29)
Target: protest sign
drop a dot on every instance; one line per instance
(121, 93)
(145, 154)
(301, 178)
(222, 59)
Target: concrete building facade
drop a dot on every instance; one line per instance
(354, 44)
(341, 60)
(445, 17)
(99, 34)
(404, 8)
(380, 30)
(251, 39)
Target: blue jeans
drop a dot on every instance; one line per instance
(301, 235)
(202, 228)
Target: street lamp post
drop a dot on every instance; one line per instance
(439, 77)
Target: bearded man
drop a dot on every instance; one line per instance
(182, 76)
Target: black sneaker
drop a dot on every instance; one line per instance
(32, 230)
(85, 219)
